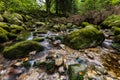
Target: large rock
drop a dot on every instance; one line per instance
(113, 20)
(21, 49)
(84, 38)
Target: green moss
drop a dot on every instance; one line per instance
(13, 18)
(23, 36)
(85, 24)
(18, 16)
(38, 39)
(84, 38)
(113, 20)
(116, 30)
(16, 29)
(116, 46)
(1, 18)
(3, 35)
(11, 36)
(21, 49)
(117, 38)
(4, 26)
(74, 70)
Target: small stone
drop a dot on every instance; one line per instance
(108, 78)
(61, 69)
(59, 60)
(62, 77)
(119, 61)
(101, 69)
(90, 56)
(62, 46)
(18, 64)
(32, 53)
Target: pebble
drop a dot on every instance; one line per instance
(90, 56)
(101, 69)
(58, 60)
(32, 53)
(61, 69)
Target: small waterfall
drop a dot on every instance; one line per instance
(30, 37)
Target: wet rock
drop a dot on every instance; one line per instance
(15, 51)
(84, 38)
(58, 60)
(32, 53)
(91, 74)
(63, 77)
(107, 44)
(76, 71)
(90, 55)
(108, 78)
(18, 64)
(101, 69)
(31, 75)
(61, 70)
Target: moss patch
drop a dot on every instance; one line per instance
(3, 35)
(84, 38)
(4, 26)
(21, 49)
(16, 29)
(38, 39)
(113, 20)
(116, 30)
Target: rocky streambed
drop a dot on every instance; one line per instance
(58, 51)
(59, 62)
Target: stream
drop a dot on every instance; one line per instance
(98, 66)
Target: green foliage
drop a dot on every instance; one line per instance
(38, 39)
(25, 6)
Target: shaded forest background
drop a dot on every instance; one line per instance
(76, 10)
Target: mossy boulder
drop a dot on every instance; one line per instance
(3, 35)
(1, 18)
(21, 49)
(113, 20)
(76, 71)
(13, 18)
(4, 26)
(116, 30)
(16, 29)
(84, 38)
(39, 39)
